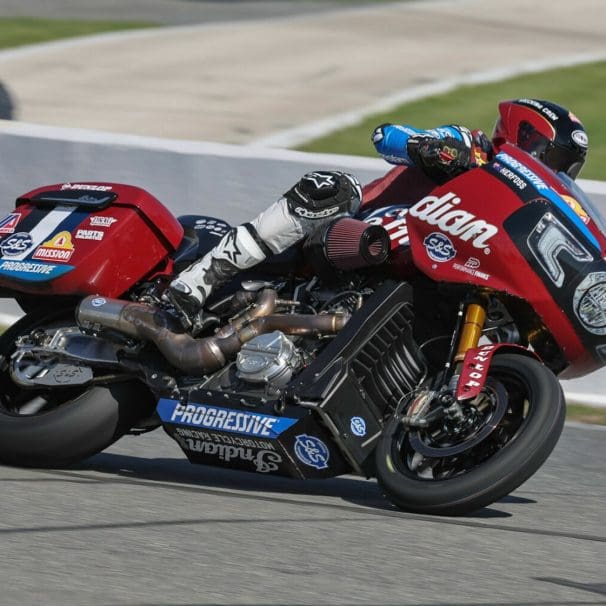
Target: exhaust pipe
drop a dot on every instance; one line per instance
(204, 355)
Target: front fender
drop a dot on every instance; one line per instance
(476, 365)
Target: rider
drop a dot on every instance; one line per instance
(425, 157)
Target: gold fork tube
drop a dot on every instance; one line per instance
(475, 317)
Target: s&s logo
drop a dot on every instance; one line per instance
(439, 247)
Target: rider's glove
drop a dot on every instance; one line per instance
(445, 157)
(481, 148)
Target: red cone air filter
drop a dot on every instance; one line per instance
(351, 244)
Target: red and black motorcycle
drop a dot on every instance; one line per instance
(332, 358)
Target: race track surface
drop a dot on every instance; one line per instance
(140, 525)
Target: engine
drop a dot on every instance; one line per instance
(269, 361)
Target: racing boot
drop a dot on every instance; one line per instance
(188, 292)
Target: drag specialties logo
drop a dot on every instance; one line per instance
(98, 302)
(223, 419)
(589, 303)
(312, 451)
(58, 248)
(99, 221)
(9, 223)
(439, 247)
(17, 244)
(444, 214)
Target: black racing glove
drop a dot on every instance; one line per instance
(441, 159)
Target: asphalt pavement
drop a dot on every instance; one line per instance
(139, 526)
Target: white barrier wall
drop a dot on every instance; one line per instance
(188, 177)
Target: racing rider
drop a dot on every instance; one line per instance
(424, 158)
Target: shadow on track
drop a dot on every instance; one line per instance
(360, 492)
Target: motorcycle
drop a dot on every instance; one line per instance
(418, 344)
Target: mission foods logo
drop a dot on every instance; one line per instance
(223, 419)
(58, 248)
(444, 214)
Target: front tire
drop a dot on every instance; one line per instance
(76, 423)
(462, 481)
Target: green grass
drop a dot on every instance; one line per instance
(25, 30)
(585, 414)
(582, 89)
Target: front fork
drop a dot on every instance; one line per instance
(466, 336)
(471, 331)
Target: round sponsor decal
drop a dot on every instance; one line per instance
(590, 303)
(98, 302)
(312, 451)
(439, 247)
(16, 244)
(580, 138)
(358, 426)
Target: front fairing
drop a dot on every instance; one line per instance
(512, 226)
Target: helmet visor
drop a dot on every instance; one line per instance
(558, 158)
(565, 160)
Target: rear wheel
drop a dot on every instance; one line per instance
(53, 427)
(455, 468)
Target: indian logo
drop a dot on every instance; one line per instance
(442, 212)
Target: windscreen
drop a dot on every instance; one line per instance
(590, 207)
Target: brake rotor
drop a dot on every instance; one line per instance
(499, 401)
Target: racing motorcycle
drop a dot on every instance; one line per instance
(416, 344)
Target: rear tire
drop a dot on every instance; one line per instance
(83, 421)
(535, 425)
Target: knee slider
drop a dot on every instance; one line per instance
(323, 194)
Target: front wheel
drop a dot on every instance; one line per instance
(453, 470)
(54, 427)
